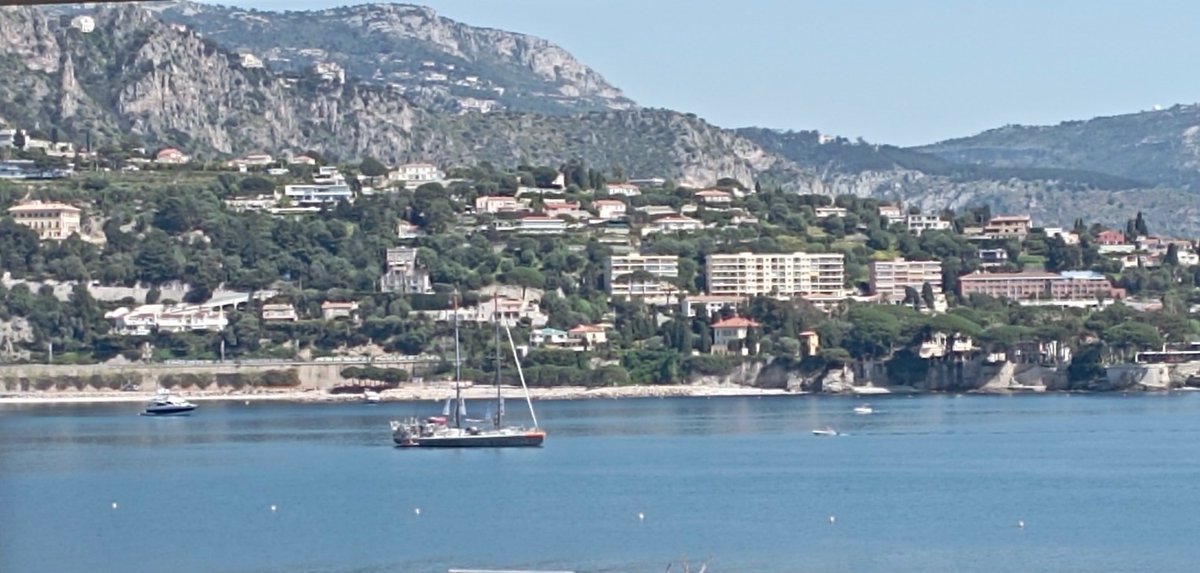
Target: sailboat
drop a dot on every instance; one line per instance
(449, 432)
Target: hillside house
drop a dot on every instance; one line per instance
(52, 221)
(279, 312)
(171, 156)
(331, 310)
(732, 332)
(609, 209)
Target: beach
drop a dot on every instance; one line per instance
(407, 393)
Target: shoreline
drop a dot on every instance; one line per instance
(415, 394)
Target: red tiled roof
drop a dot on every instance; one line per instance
(735, 322)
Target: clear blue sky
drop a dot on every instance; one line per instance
(902, 72)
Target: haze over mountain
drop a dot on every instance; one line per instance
(403, 84)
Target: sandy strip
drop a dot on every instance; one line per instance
(400, 394)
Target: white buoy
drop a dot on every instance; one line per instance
(247, 402)
(1020, 524)
(641, 516)
(272, 507)
(832, 520)
(114, 505)
(417, 511)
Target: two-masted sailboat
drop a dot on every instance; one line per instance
(452, 429)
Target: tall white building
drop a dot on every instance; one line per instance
(777, 274)
(622, 284)
(890, 278)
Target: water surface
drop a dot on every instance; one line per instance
(928, 484)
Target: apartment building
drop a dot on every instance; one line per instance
(1008, 226)
(920, 223)
(623, 282)
(52, 221)
(776, 274)
(403, 274)
(890, 279)
(1046, 287)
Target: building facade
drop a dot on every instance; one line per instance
(776, 274)
(403, 274)
(648, 282)
(1084, 286)
(890, 279)
(52, 221)
(1008, 227)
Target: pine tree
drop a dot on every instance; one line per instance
(1139, 225)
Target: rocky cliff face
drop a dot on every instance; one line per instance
(412, 48)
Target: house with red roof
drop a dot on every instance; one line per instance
(732, 331)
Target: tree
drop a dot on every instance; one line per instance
(927, 295)
(372, 167)
(1139, 225)
(1172, 256)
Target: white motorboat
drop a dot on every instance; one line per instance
(863, 409)
(371, 397)
(825, 432)
(166, 404)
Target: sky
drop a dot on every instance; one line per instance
(900, 72)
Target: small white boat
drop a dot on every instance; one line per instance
(863, 409)
(371, 397)
(165, 404)
(826, 432)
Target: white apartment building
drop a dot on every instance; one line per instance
(416, 173)
(919, 223)
(889, 279)
(609, 209)
(150, 318)
(777, 274)
(621, 284)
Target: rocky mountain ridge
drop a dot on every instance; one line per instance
(168, 84)
(443, 64)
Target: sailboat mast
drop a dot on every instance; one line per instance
(457, 370)
(499, 352)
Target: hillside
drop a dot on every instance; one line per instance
(1158, 147)
(137, 77)
(436, 61)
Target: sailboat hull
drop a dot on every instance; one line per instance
(482, 440)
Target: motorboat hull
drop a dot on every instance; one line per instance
(483, 440)
(169, 410)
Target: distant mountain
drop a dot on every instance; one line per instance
(1156, 147)
(135, 74)
(174, 76)
(437, 62)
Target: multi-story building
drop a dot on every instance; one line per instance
(609, 208)
(893, 213)
(890, 279)
(1008, 226)
(730, 332)
(989, 258)
(643, 276)
(710, 304)
(714, 197)
(52, 221)
(403, 274)
(624, 189)
(496, 204)
(672, 224)
(1043, 287)
(279, 312)
(416, 173)
(541, 225)
(920, 223)
(150, 318)
(777, 274)
(317, 194)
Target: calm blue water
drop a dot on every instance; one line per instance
(929, 484)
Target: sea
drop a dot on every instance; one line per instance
(925, 484)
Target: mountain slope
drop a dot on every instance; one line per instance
(1158, 147)
(435, 60)
(136, 74)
